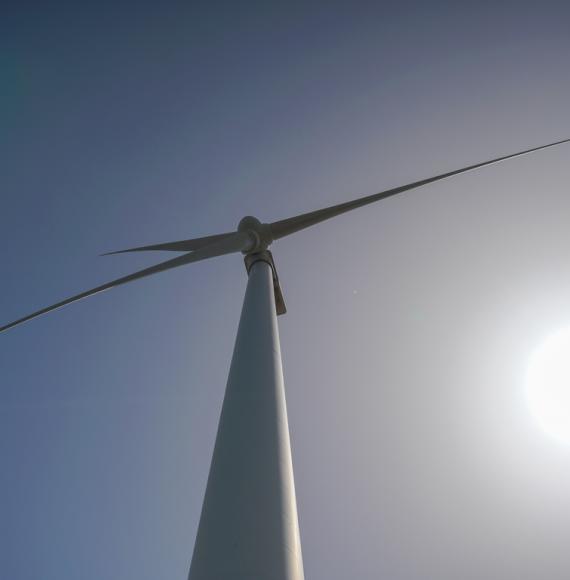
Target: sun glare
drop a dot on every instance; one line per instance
(548, 385)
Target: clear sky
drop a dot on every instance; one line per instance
(410, 324)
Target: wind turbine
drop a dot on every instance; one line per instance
(248, 527)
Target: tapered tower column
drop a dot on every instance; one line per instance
(248, 528)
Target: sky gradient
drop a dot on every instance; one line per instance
(410, 323)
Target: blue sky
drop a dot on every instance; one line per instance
(410, 323)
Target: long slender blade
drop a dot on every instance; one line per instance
(179, 246)
(236, 243)
(289, 226)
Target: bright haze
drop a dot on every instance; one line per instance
(410, 322)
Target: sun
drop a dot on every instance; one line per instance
(548, 385)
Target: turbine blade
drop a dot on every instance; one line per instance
(180, 246)
(289, 226)
(235, 243)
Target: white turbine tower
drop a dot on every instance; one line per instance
(248, 528)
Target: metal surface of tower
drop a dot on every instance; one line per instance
(249, 528)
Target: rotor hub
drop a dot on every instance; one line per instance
(259, 233)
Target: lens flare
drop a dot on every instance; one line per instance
(548, 385)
